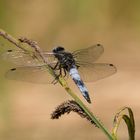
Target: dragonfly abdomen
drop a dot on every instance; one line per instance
(80, 84)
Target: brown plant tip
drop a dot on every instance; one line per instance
(32, 44)
(67, 107)
(28, 41)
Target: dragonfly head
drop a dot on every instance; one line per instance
(58, 49)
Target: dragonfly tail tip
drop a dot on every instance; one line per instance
(88, 99)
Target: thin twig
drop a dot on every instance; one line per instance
(10, 39)
(35, 46)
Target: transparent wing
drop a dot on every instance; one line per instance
(31, 67)
(24, 58)
(37, 74)
(96, 71)
(88, 55)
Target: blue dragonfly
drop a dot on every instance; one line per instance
(79, 65)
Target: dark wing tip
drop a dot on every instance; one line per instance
(13, 69)
(9, 50)
(99, 44)
(114, 67)
(111, 65)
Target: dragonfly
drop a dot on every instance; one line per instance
(80, 65)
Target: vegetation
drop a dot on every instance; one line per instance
(76, 105)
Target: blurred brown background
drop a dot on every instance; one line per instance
(25, 108)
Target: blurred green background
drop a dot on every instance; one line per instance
(25, 108)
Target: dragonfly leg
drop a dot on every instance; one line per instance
(56, 67)
(55, 81)
(61, 70)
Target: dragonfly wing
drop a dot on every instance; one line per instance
(25, 58)
(32, 74)
(20, 58)
(88, 55)
(96, 71)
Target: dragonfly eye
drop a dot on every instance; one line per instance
(58, 49)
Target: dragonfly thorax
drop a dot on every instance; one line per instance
(65, 59)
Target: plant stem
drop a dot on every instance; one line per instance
(87, 111)
(61, 80)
